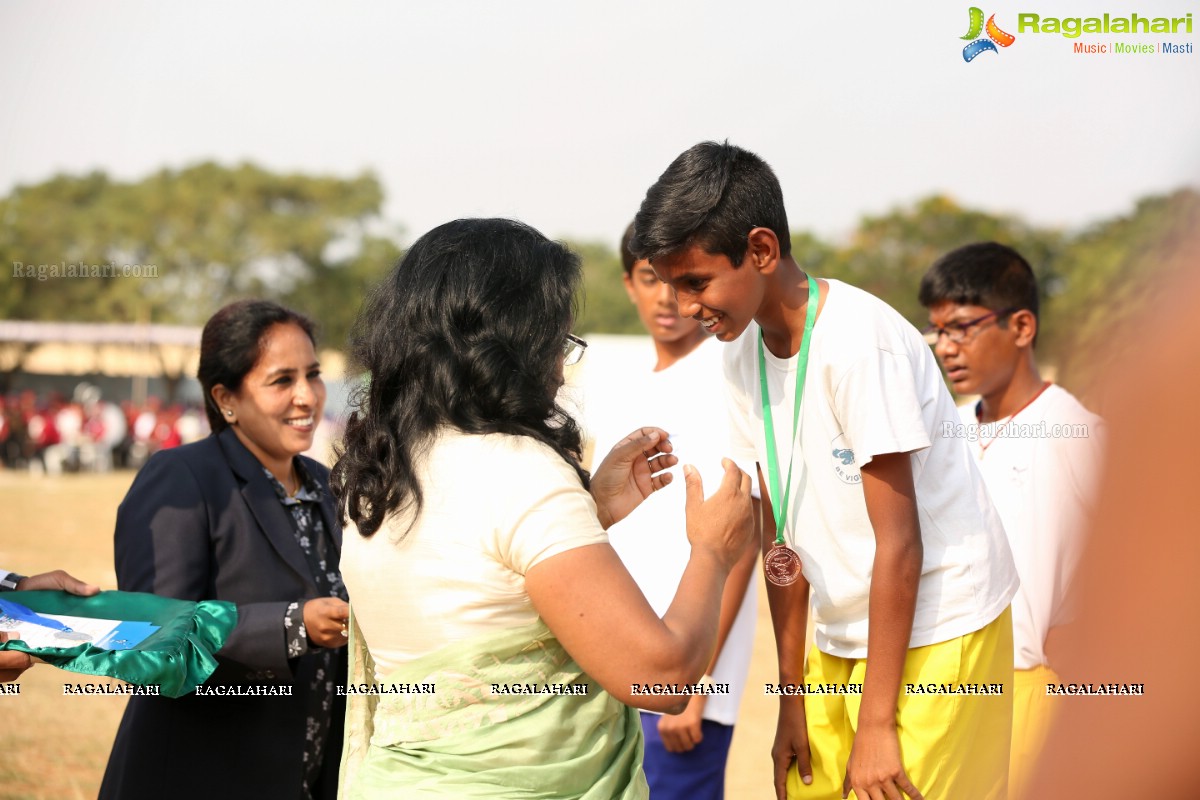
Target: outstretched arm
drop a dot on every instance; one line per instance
(683, 732)
(12, 664)
(57, 580)
(588, 599)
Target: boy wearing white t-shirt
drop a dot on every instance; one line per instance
(908, 686)
(1036, 445)
(685, 755)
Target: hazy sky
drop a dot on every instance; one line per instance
(562, 113)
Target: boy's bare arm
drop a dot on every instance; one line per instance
(875, 768)
(789, 618)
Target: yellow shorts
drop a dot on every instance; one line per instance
(953, 746)
(1033, 714)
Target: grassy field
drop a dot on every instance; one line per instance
(55, 746)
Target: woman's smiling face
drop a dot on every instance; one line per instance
(277, 408)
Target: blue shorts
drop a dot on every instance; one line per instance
(698, 774)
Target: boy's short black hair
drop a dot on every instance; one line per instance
(712, 195)
(628, 259)
(986, 274)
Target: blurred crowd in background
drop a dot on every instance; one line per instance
(51, 433)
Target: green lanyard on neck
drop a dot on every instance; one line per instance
(780, 509)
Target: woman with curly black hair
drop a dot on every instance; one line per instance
(496, 636)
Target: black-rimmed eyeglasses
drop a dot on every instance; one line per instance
(573, 348)
(958, 332)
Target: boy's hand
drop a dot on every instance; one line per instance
(57, 580)
(12, 662)
(791, 744)
(874, 771)
(682, 732)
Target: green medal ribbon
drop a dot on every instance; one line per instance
(780, 509)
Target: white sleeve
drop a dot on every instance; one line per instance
(548, 512)
(877, 404)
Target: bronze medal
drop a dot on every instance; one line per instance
(782, 566)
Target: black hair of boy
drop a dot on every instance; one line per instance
(712, 195)
(986, 274)
(628, 259)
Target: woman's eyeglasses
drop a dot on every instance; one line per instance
(573, 349)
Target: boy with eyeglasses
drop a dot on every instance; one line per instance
(907, 688)
(685, 754)
(1036, 446)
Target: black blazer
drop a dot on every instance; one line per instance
(202, 522)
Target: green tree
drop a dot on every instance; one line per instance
(815, 256)
(603, 305)
(336, 290)
(213, 233)
(888, 254)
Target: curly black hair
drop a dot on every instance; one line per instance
(467, 331)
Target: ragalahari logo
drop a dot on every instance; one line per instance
(995, 36)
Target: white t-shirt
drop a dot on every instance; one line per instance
(872, 387)
(1041, 470)
(686, 401)
(494, 506)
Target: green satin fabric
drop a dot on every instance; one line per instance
(464, 742)
(177, 657)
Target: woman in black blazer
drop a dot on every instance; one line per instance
(242, 516)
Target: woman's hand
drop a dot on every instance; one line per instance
(325, 620)
(724, 523)
(633, 469)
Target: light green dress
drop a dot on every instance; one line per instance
(464, 739)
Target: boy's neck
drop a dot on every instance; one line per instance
(1014, 395)
(669, 353)
(784, 309)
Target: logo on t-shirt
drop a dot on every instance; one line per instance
(1018, 476)
(843, 461)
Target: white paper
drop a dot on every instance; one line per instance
(40, 636)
